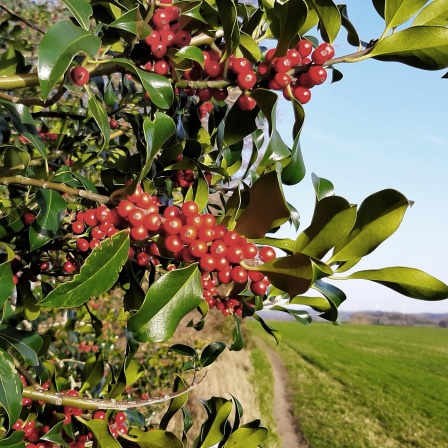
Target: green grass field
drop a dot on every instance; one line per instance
(367, 386)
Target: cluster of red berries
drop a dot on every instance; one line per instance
(47, 137)
(166, 33)
(179, 233)
(186, 178)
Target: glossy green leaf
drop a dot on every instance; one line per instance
(8, 62)
(167, 302)
(185, 350)
(101, 433)
(6, 282)
(286, 22)
(176, 403)
(60, 44)
(292, 274)
(81, 11)
(10, 388)
(198, 193)
(285, 244)
(55, 435)
(93, 371)
(397, 12)
(333, 218)
(15, 440)
(407, 281)
(211, 353)
(24, 123)
(27, 343)
(257, 219)
(47, 223)
(300, 316)
(329, 18)
(322, 187)
(435, 13)
(352, 34)
(237, 335)
(379, 216)
(192, 53)
(132, 22)
(295, 170)
(423, 47)
(247, 436)
(157, 132)
(158, 87)
(229, 19)
(379, 6)
(268, 329)
(100, 116)
(26, 304)
(317, 303)
(15, 156)
(335, 297)
(213, 428)
(97, 275)
(156, 438)
(239, 124)
(249, 48)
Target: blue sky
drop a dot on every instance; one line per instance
(385, 125)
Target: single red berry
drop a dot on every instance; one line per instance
(102, 214)
(246, 102)
(113, 124)
(143, 259)
(161, 67)
(267, 253)
(241, 65)
(136, 217)
(69, 267)
(124, 208)
(246, 80)
(77, 227)
(301, 94)
(294, 56)
(231, 238)
(161, 18)
(138, 233)
(153, 38)
(172, 225)
(97, 233)
(235, 254)
(182, 39)
(304, 47)
(270, 54)
(167, 37)
(317, 74)
(212, 68)
(80, 75)
(171, 212)
(238, 274)
(173, 243)
(29, 218)
(90, 217)
(282, 65)
(282, 79)
(159, 49)
(99, 415)
(82, 245)
(205, 95)
(153, 222)
(263, 68)
(94, 243)
(220, 94)
(198, 248)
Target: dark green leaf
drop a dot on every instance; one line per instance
(218, 410)
(268, 329)
(335, 297)
(329, 18)
(239, 124)
(60, 44)
(158, 87)
(198, 192)
(299, 315)
(352, 34)
(292, 274)
(133, 22)
(379, 216)
(379, 6)
(249, 48)
(333, 218)
(24, 123)
(8, 62)
(257, 219)
(237, 342)
(81, 11)
(285, 244)
(27, 343)
(229, 20)
(175, 404)
(423, 47)
(407, 281)
(184, 350)
(397, 12)
(317, 303)
(10, 389)
(157, 132)
(6, 282)
(100, 116)
(192, 53)
(97, 275)
(211, 353)
(51, 213)
(435, 13)
(167, 302)
(15, 440)
(93, 371)
(55, 435)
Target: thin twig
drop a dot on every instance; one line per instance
(22, 19)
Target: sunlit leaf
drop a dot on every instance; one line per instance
(54, 60)
(407, 281)
(10, 388)
(97, 275)
(329, 18)
(435, 13)
(397, 12)
(132, 22)
(27, 343)
(81, 11)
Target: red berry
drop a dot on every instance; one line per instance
(246, 102)
(80, 75)
(317, 74)
(99, 415)
(173, 243)
(231, 238)
(212, 68)
(29, 218)
(161, 18)
(246, 80)
(198, 248)
(207, 262)
(294, 57)
(161, 67)
(238, 274)
(138, 233)
(102, 214)
(270, 54)
(69, 267)
(77, 227)
(90, 217)
(304, 47)
(282, 79)
(167, 37)
(113, 124)
(205, 95)
(267, 253)
(182, 39)
(136, 217)
(258, 288)
(301, 94)
(235, 254)
(152, 222)
(172, 225)
(143, 259)
(82, 245)
(263, 68)
(153, 38)
(159, 49)
(241, 65)
(282, 65)
(220, 94)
